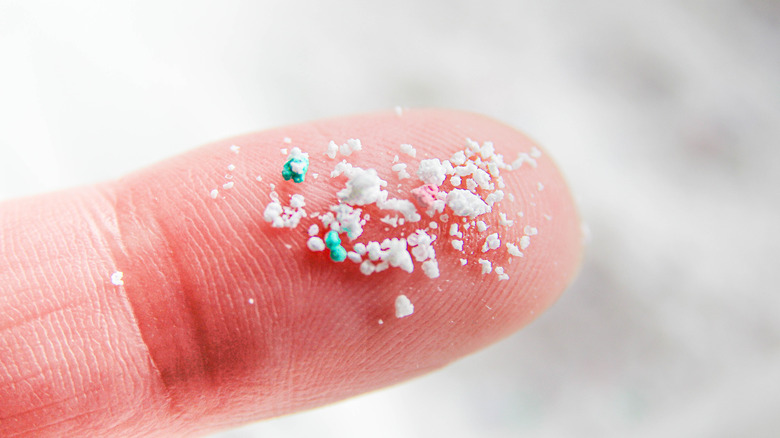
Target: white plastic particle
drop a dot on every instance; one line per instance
(540, 186)
(314, 230)
(458, 159)
(487, 267)
(116, 278)
(350, 146)
(471, 185)
(228, 185)
(481, 226)
(464, 203)
(503, 221)
(363, 187)
(395, 159)
(547, 217)
(403, 307)
(499, 270)
(444, 217)
(360, 248)
(399, 112)
(523, 158)
(231, 167)
(409, 150)
(524, 242)
(355, 257)
(297, 201)
(492, 242)
(431, 268)
(380, 322)
(431, 171)
(530, 231)
(494, 197)
(333, 149)
(466, 226)
(251, 301)
(214, 193)
(283, 151)
(503, 277)
(454, 230)
(455, 180)
(315, 243)
(457, 244)
(433, 225)
(535, 153)
(235, 148)
(463, 262)
(401, 169)
(367, 268)
(287, 140)
(392, 221)
(259, 178)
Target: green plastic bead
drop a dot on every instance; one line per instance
(288, 172)
(338, 253)
(332, 239)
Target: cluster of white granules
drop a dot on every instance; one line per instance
(465, 190)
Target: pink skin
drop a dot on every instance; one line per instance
(179, 349)
(425, 195)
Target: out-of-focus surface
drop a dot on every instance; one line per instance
(665, 116)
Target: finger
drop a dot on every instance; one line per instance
(223, 319)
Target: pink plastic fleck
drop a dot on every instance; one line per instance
(425, 195)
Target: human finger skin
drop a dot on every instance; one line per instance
(222, 319)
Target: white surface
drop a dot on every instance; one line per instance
(663, 114)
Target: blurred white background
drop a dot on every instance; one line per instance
(665, 115)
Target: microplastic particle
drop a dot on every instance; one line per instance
(338, 254)
(283, 151)
(332, 239)
(296, 166)
(481, 226)
(380, 322)
(530, 231)
(214, 193)
(399, 112)
(355, 257)
(367, 268)
(431, 171)
(116, 278)
(457, 244)
(228, 185)
(524, 242)
(455, 180)
(231, 167)
(513, 250)
(287, 140)
(425, 195)
(487, 267)
(492, 242)
(444, 217)
(540, 186)
(251, 301)
(235, 148)
(409, 150)
(259, 178)
(314, 230)
(333, 149)
(535, 153)
(431, 268)
(547, 217)
(503, 221)
(403, 307)
(463, 262)
(433, 225)
(464, 203)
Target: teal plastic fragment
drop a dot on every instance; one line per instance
(332, 239)
(338, 253)
(288, 171)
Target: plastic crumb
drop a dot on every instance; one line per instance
(355, 257)
(494, 197)
(492, 242)
(363, 187)
(235, 149)
(535, 152)
(530, 231)
(487, 267)
(214, 193)
(425, 195)
(457, 244)
(392, 221)
(251, 301)
(228, 185)
(524, 242)
(401, 169)
(431, 268)
(296, 166)
(503, 221)
(380, 322)
(540, 186)
(333, 149)
(482, 226)
(231, 167)
(116, 278)
(283, 151)
(444, 217)
(314, 230)
(360, 248)
(403, 307)
(399, 112)
(464, 203)
(455, 180)
(395, 159)
(259, 178)
(463, 262)
(287, 140)
(513, 250)
(367, 268)
(433, 225)
(431, 172)
(315, 243)
(352, 145)
(409, 150)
